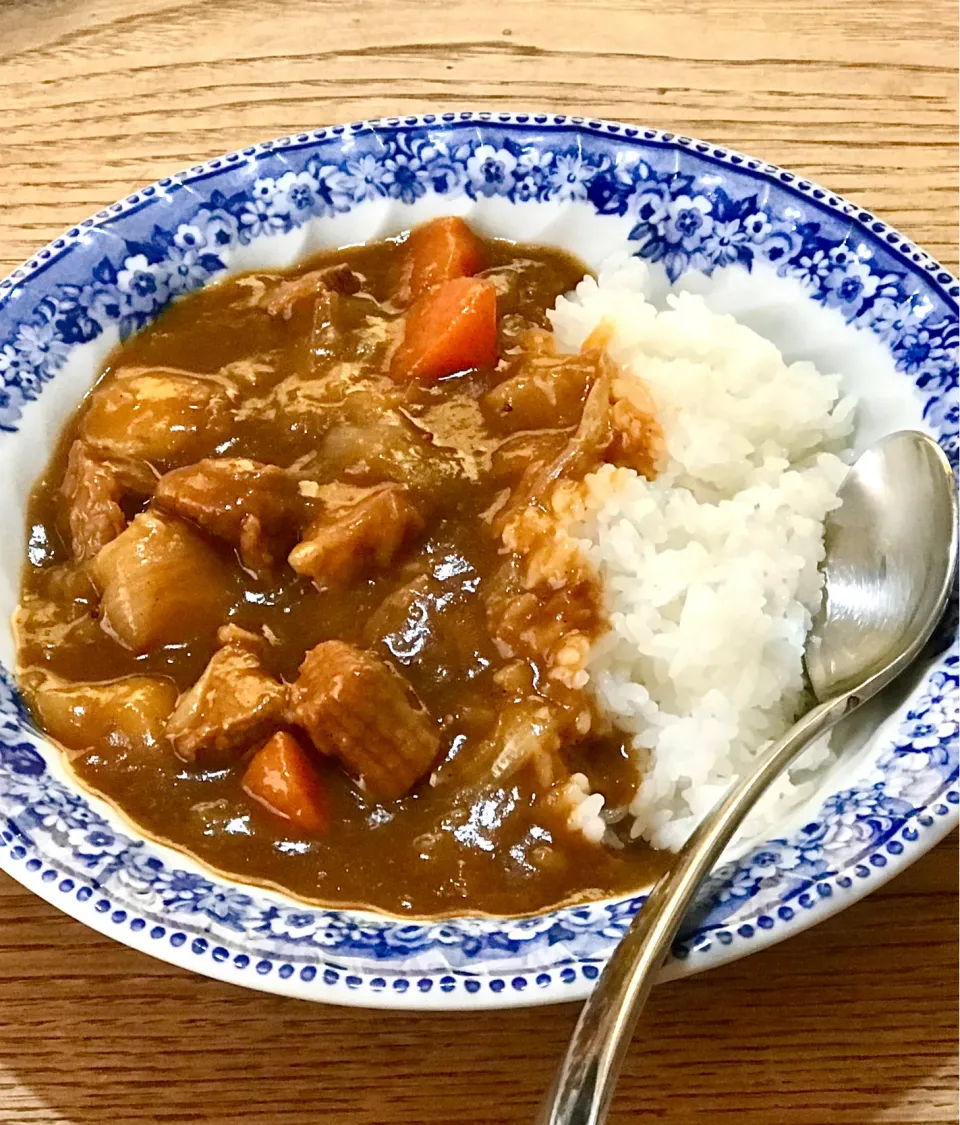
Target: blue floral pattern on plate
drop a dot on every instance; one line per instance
(685, 205)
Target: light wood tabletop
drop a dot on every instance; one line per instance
(853, 1022)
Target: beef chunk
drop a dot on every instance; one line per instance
(587, 445)
(93, 490)
(234, 703)
(254, 507)
(359, 529)
(361, 710)
(282, 300)
(159, 582)
(119, 718)
(543, 392)
(160, 416)
(93, 503)
(514, 456)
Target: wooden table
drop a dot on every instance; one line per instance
(854, 1022)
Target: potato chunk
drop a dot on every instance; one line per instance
(118, 718)
(234, 703)
(254, 507)
(159, 416)
(361, 710)
(360, 529)
(159, 582)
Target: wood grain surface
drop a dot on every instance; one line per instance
(854, 1022)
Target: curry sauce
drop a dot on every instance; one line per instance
(313, 522)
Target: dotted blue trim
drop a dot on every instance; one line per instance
(891, 831)
(450, 982)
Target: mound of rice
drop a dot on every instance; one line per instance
(711, 571)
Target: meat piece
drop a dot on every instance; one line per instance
(360, 529)
(234, 703)
(254, 507)
(283, 299)
(92, 494)
(543, 392)
(340, 278)
(283, 779)
(156, 415)
(119, 719)
(93, 490)
(583, 451)
(159, 583)
(361, 710)
(515, 332)
(527, 288)
(516, 454)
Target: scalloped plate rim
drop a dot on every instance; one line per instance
(925, 837)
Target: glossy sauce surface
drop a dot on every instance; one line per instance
(308, 391)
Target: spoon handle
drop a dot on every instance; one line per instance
(585, 1081)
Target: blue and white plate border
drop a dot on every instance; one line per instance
(69, 849)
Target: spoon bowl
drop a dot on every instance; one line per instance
(891, 554)
(884, 588)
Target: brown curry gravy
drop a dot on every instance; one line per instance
(432, 852)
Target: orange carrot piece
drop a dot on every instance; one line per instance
(439, 251)
(452, 327)
(282, 777)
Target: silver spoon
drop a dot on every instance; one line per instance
(891, 551)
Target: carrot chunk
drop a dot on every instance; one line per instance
(282, 777)
(439, 251)
(452, 327)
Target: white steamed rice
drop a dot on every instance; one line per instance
(711, 571)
